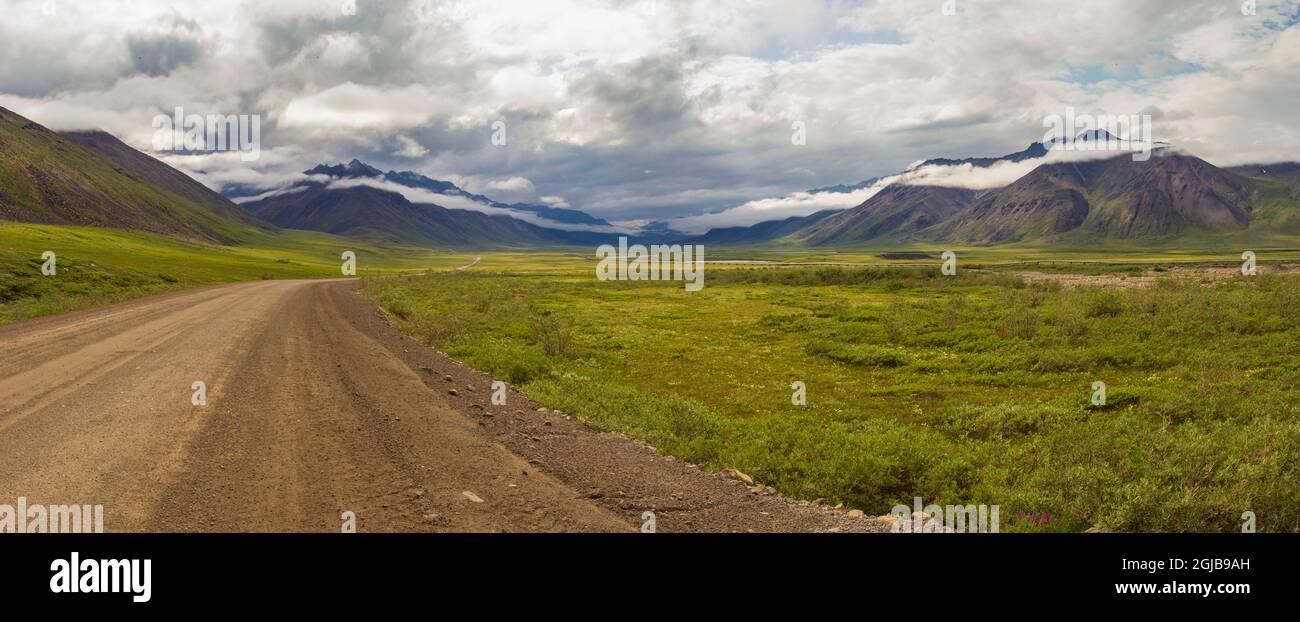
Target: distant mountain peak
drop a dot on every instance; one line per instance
(411, 179)
(1033, 151)
(355, 168)
(1097, 135)
(362, 167)
(846, 188)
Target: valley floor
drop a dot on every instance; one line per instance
(974, 389)
(313, 407)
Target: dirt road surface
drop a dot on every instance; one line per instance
(316, 406)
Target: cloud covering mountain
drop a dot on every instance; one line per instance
(970, 173)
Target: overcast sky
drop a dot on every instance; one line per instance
(641, 109)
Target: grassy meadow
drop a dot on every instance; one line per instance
(97, 266)
(975, 388)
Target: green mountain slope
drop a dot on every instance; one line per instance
(1116, 198)
(154, 172)
(1170, 198)
(896, 210)
(761, 232)
(46, 178)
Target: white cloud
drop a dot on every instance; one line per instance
(271, 193)
(558, 202)
(513, 185)
(421, 195)
(522, 87)
(342, 49)
(1001, 174)
(754, 212)
(408, 148)
(350, 107)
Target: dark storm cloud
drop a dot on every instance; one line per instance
(644, 99)
(393, 45)
(159, 55)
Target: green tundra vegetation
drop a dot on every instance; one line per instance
(96, 265)
(970, 389)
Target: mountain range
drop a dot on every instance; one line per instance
(1167, 197)
(357, 169)
(377, 212)
(92, 178)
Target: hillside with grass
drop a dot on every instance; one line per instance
(97, 265)
(150, 170)
(48, 179)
